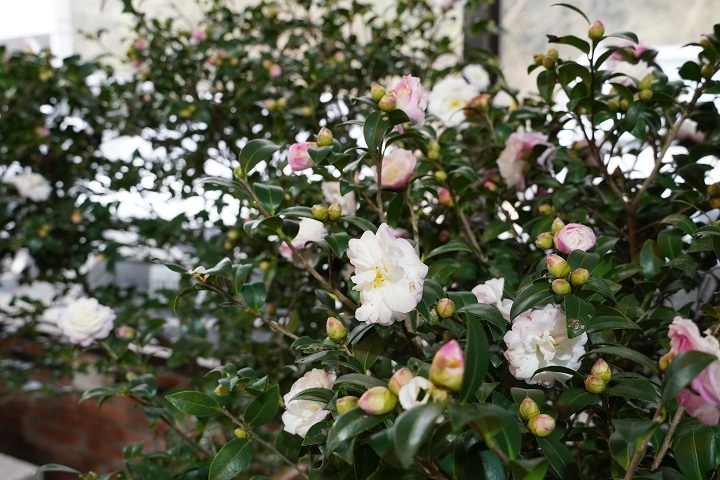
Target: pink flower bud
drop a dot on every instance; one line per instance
(541, 425)
(557, 266)
(377, 92)
(398, 167)
(601, 369)
(561, 287)
(594, 384)
(596, 30)
(445, 308)
(445, 198)
(574, 236)
(557, 225)
(399, 380)
(324, 137)
(336, 330)
(377, 401)
(275, 70)
(528, 409)
(448, 366)
(387, 103)
(345, 404)
(141, 44)
(410, 99)
(298, 157)
(579, 276)
(126, 332)
(198, 35)
(544, 240)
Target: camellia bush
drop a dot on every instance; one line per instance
(457, 283)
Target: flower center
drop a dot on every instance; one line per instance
(546, 346)
(380, 278)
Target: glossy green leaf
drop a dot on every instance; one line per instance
(254, 152)
(369, 348)
(546, 81)
(561, 459)
(54, 467)
(232, 459)
(376, 124)
(682, 222)
(534, 469)
(476, 358)
(670, 243)
(453, 246)
(348, 426)
(536, 294)
(574, 400)
(487, 313)
(254, 294)
(263, 408)
(634, 389)
(697, 448)
(360, 381)
(579, 314)
(683, 369)
(338, 243)
(579, 259)
(317, 434)
(628, 437)
(194, 403)
(270, 196)
(412, 428)
(624, 352)
(361, 223)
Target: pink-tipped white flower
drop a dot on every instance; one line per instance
(300, 415)
(539, 339)
(310, 231)
(388, 274)
(491, 293)
(399, 380)
(410, 99)
(574, 236)
(448, 366)
(398, 167)
(298, 156)
(448, 98)
(32, 186)
(377, 401)
(702, 397)
(85, 320)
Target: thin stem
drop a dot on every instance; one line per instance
(413, 221)
(380, 209)
(640, 452)
(668, 437)
(262, 441)
(469, 235)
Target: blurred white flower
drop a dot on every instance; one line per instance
(477, 76)
(491, 293)
(310, 231)
(388, 274)
(85, 320)
(448, 98)
(331, 193)
(300, 415)
(630, 71)
(31, 185)
(410, 393)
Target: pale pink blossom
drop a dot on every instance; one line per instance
(198, 34)
(141, 44)
(310, 231)
(512, 163)
(398, 167)
(331, 194)
(410, 99)
(300, 415)
(275, 70)
(574, 236)
(298, 156)
(32, 186)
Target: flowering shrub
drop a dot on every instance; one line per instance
(529, 323)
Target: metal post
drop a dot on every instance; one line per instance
(475, 13)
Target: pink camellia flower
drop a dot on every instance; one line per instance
(198, 34)
(702, 398)
(397, 168)
(512, 161)
(574, 236)
(410, 99)
(141, 44)
(275, 70)
(445, 198)
(298, 156)
(448, 366)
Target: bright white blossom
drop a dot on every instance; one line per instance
(448, 98)
(388, 274)
(31, 185)
(331, 193)
(539, 339)
(491, 293)
(85, 320)
(477, 76)
(630, 71)
(310, 231)
(411, 391)
(300, 415)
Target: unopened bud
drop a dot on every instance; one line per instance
(714, 189)
(548, 62)
(438, 394)
(552, 53)
(399, 380)
(306, 111)
(320, 212)
(377, 92)
(541, 425)
(76, 217)
(601, 369)
(579, 276)
(445, 198)
(434, 146)
(557, 266)
(238, 172)
(433, 155)
(336, 330)
(714, 202)
(544, 240)
(222, 391)
(324, 137)
(545, 209)
(613, 105)
(126, 332)
(241, 433)
(707, 71)
(387, 103)
(445, 308)
(538, 58)
(490, 186)
(334, 212)
(448, 366)
(345, 404)
(705, 43)
(645, 95)
(594, 384)
(557, 225)
(281, 102)
(596, 30)
(434, 317)
(528, 409)
(624, 105)
(646, 81)
(665, 361)
(441, 175)
(377, 401)
(561, 287)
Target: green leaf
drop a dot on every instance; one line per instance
(376, 124)
(627, 438)
(534, 469)
(411, 429)
(194, 403)
(531, 296)
(360, 381)
(612, 322)
(476, 358)
(683, 369)
(361, 223)
(624, 352)
(224, 268)
(315, 394)
(54, 467)
(557, 369)
(560, 458)
(680, 221)
(579, 314)
(317, 434)
(670, 243)
(254, 152)
(696, 447)
(634, 388)
(338, 243)
(488, 313)
(576, 42)
(546, 81)
(574, 400)
(271, 196)
(98, 392)
(254, 294)
(369, 348)
(573, 8)
(239, 275)
(579, 259)
(452, 246)
(263, 409)
(232, 459)
(348, 426)
(604, 287)
(649, 261)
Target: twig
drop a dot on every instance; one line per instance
(413, 221)
(668, 437)
(640, 452)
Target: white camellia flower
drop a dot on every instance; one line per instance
(491, 293)
(388, 274)
(410, 396)
(300, 415)
(85, 320)
(539, 339)
(511, 165)
(310, 231)
(477, 76)
(331, 193)
(31, 185)
(448, 98)
(630, 71)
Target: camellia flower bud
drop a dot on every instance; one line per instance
(324, 137)
(538, 58)
(553, 53)
(377, 92)
(601, 369)
(579, 276)
(445, 308)
(596, 30)
(528, 409)
(541, 425)
(557, 266)
(557, 225)
(241, 433)
(345, 404)
(377, 401)
(320, 212)
(334, 212)
(238, 172)
(336, 330)
(561, 286)
(444, 198)
(544, 240)
(222, 391)
(665, 361)
(714, 189)
(706, 71)
(441, 175)
(434, 317)
(126, 332)
(387, 103)
(594, 384)
(306, 111)
(545, 209)
(613, 105)
(399, 380)
(548, 62)
(448, 366)
(645, 94)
